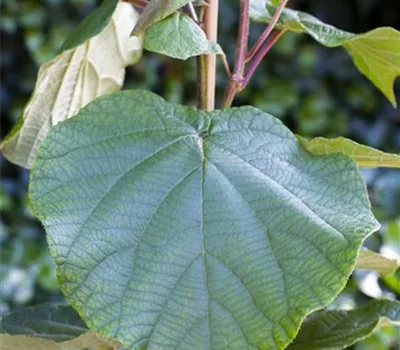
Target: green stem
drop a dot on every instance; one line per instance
(206, 64)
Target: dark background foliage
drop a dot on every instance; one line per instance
(314, 90)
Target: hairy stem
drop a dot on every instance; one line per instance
(206, 64)
(267, 30)
(260, 55)
(240, 59)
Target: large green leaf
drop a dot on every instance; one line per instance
(176, 228)
(335, 330)
(73, 79)
(364, 156)
(180, 37)
(51, 321)
(92, 25)
(375, 53)
(155, 11)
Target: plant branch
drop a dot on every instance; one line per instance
(206, 70)
(260, 55)
(226, 65)
(267, 31)
(240, 59)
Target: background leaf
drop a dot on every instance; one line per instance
(180, 37)
(56, 322)
(363, 155)
(335, 330)
(375, 53)
(92, 25)
(87, 340)
(49, 327)
(155, 11)
(232, 247)
(369, 260)
(71, 80)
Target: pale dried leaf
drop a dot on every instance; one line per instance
(71, 80)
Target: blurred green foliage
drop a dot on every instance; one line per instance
(314, 90)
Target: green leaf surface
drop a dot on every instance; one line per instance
(375, 53)
(364, 156)
(369, 260)
(92, 25)
(50, 321)
(335, 330)
(155, 11)
(71, 80)
(176, 228)
(178, 36)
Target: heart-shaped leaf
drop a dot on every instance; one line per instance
(176, 228)
(375, 53)
(336, 329)
(180, 37)
(364, 156)
(73, 79)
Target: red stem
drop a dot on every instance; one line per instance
(267, 31)
(260, 55)
(240, 60)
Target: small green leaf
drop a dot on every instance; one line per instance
(155, 11)
(375, 53)
(335, 330)
(178, 36)
(73, 79)
(174, 228)
(364, 156)
(369, 260)
(259, 12)
(92, 25)
(50, 321)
